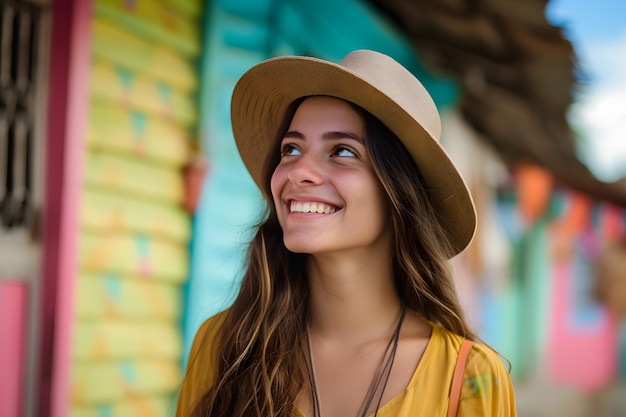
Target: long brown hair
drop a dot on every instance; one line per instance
(260, 369)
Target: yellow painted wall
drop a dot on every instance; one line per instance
(133, 253)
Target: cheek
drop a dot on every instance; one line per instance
(276, 184)
(383, 207)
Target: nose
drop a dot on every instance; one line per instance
(307, 170)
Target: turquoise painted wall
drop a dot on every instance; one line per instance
(239, 34)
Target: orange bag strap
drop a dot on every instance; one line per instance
(457, 379)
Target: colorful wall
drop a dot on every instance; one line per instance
(134, 228)
(549, 319)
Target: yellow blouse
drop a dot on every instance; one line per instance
(487, 389)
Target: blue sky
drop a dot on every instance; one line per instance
(597, 29)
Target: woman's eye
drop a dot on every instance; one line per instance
(288, 149)
(344, 152)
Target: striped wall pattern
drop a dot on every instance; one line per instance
(133, 244)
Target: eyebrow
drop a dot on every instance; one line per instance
(332, 135)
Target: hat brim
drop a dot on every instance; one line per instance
(264, 93)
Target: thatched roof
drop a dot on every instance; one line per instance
(517, 77)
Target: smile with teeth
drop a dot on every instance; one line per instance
(311, 207)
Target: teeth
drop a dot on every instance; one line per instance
(319, 208)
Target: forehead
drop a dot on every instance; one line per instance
(330, 111)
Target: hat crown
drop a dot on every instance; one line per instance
(396, 82)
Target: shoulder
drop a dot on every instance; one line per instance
(205, 341)
(201, 364)
(487, 387)
(481, 359)
(209, 328)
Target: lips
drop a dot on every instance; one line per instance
(311, 207)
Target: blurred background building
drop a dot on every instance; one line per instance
(125, 208)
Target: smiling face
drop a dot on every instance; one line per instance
(327, 195)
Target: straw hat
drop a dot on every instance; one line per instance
(378, 84)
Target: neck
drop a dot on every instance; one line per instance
(353, 299)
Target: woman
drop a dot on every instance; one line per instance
(347, 307)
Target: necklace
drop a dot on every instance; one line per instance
(380, 377)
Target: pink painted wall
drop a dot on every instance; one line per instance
(13, 321)
(582, 351)
(67, 120)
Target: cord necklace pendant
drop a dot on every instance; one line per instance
(380, 377)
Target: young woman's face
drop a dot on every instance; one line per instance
(326, 193)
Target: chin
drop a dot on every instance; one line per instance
(298, 248)
(299, 245)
